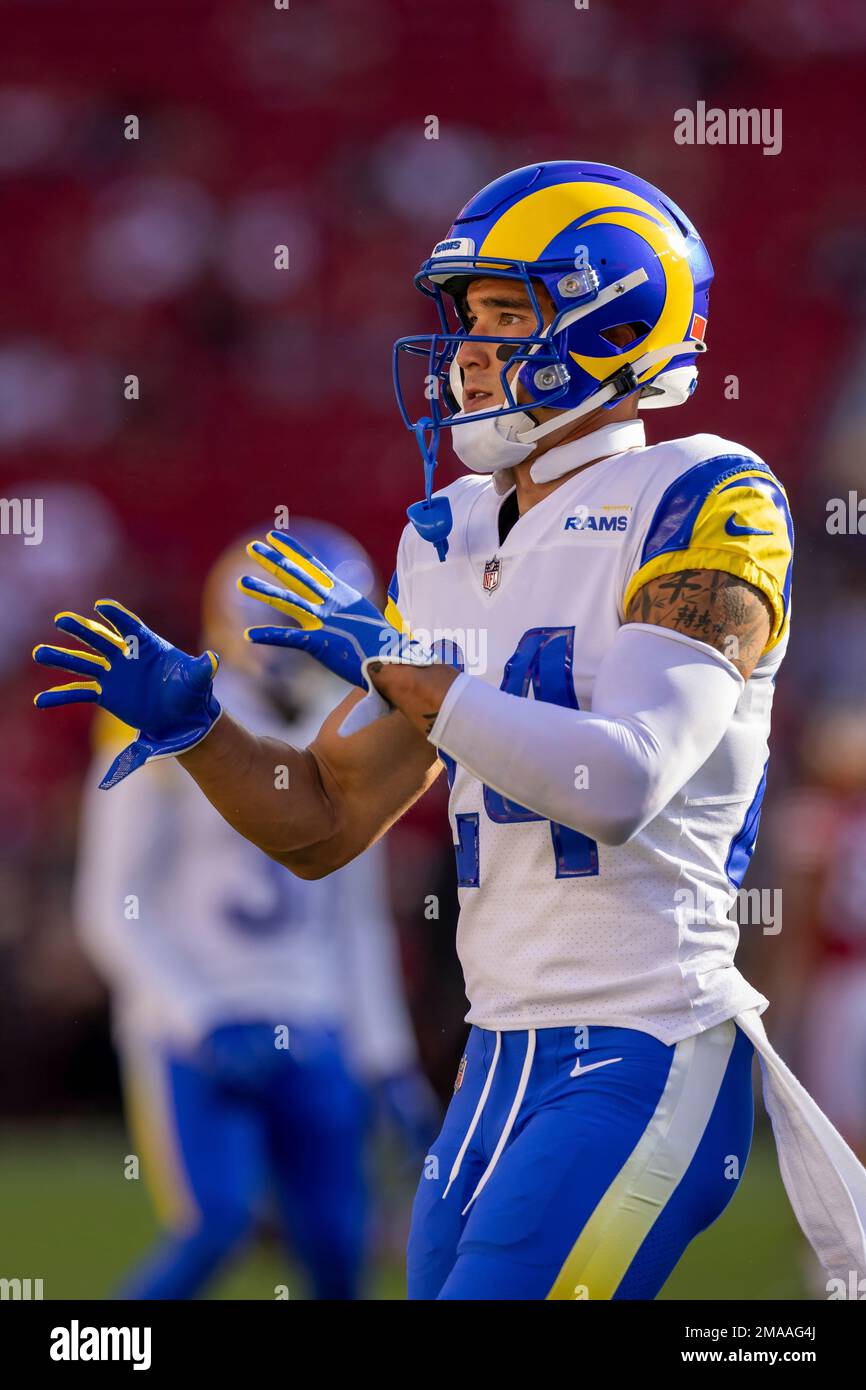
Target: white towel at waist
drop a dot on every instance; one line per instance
(824, 1179)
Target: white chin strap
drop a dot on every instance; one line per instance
(485, 446)
(500, 442)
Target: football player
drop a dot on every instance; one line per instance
(620, 612)
(818, 835)
(259, 1017)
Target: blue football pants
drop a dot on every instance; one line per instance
(579, 1163)
(212, 1144)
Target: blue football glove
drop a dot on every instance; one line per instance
(409, 1103)
(138, 677)
(336, 624)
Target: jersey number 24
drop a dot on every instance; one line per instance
(543, 660)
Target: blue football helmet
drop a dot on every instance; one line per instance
(610, 249)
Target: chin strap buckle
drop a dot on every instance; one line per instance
(623, 381)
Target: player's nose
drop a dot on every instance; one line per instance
(471, 354)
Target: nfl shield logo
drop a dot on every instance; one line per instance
(491, 575)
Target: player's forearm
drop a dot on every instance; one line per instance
(596, 774)
(268, 791)
(661, 704)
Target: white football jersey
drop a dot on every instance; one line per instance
(192, 926)
(556, 929)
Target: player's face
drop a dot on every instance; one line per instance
(500, 309)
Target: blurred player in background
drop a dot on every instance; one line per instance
(819, 835)
(260, 1018)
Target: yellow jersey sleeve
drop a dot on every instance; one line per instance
(727, 514)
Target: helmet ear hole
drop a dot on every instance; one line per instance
(623, 335)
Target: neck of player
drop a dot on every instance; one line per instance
(530, 492)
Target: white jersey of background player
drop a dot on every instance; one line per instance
(194, 927)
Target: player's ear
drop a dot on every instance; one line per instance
(622, 334)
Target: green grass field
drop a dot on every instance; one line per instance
(68, 1220)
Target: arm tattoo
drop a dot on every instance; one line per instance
(715, 607)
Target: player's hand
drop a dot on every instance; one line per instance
(409, 1103)
(336, 624)
(137, 676)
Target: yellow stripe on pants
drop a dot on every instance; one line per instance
(604, 1250)
(150, 1118)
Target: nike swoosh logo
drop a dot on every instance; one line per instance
(581, 1071)
(734, 530)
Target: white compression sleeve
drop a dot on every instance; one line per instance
(660, 705)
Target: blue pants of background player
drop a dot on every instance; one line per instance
(579, 1163)
(215, 1128)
